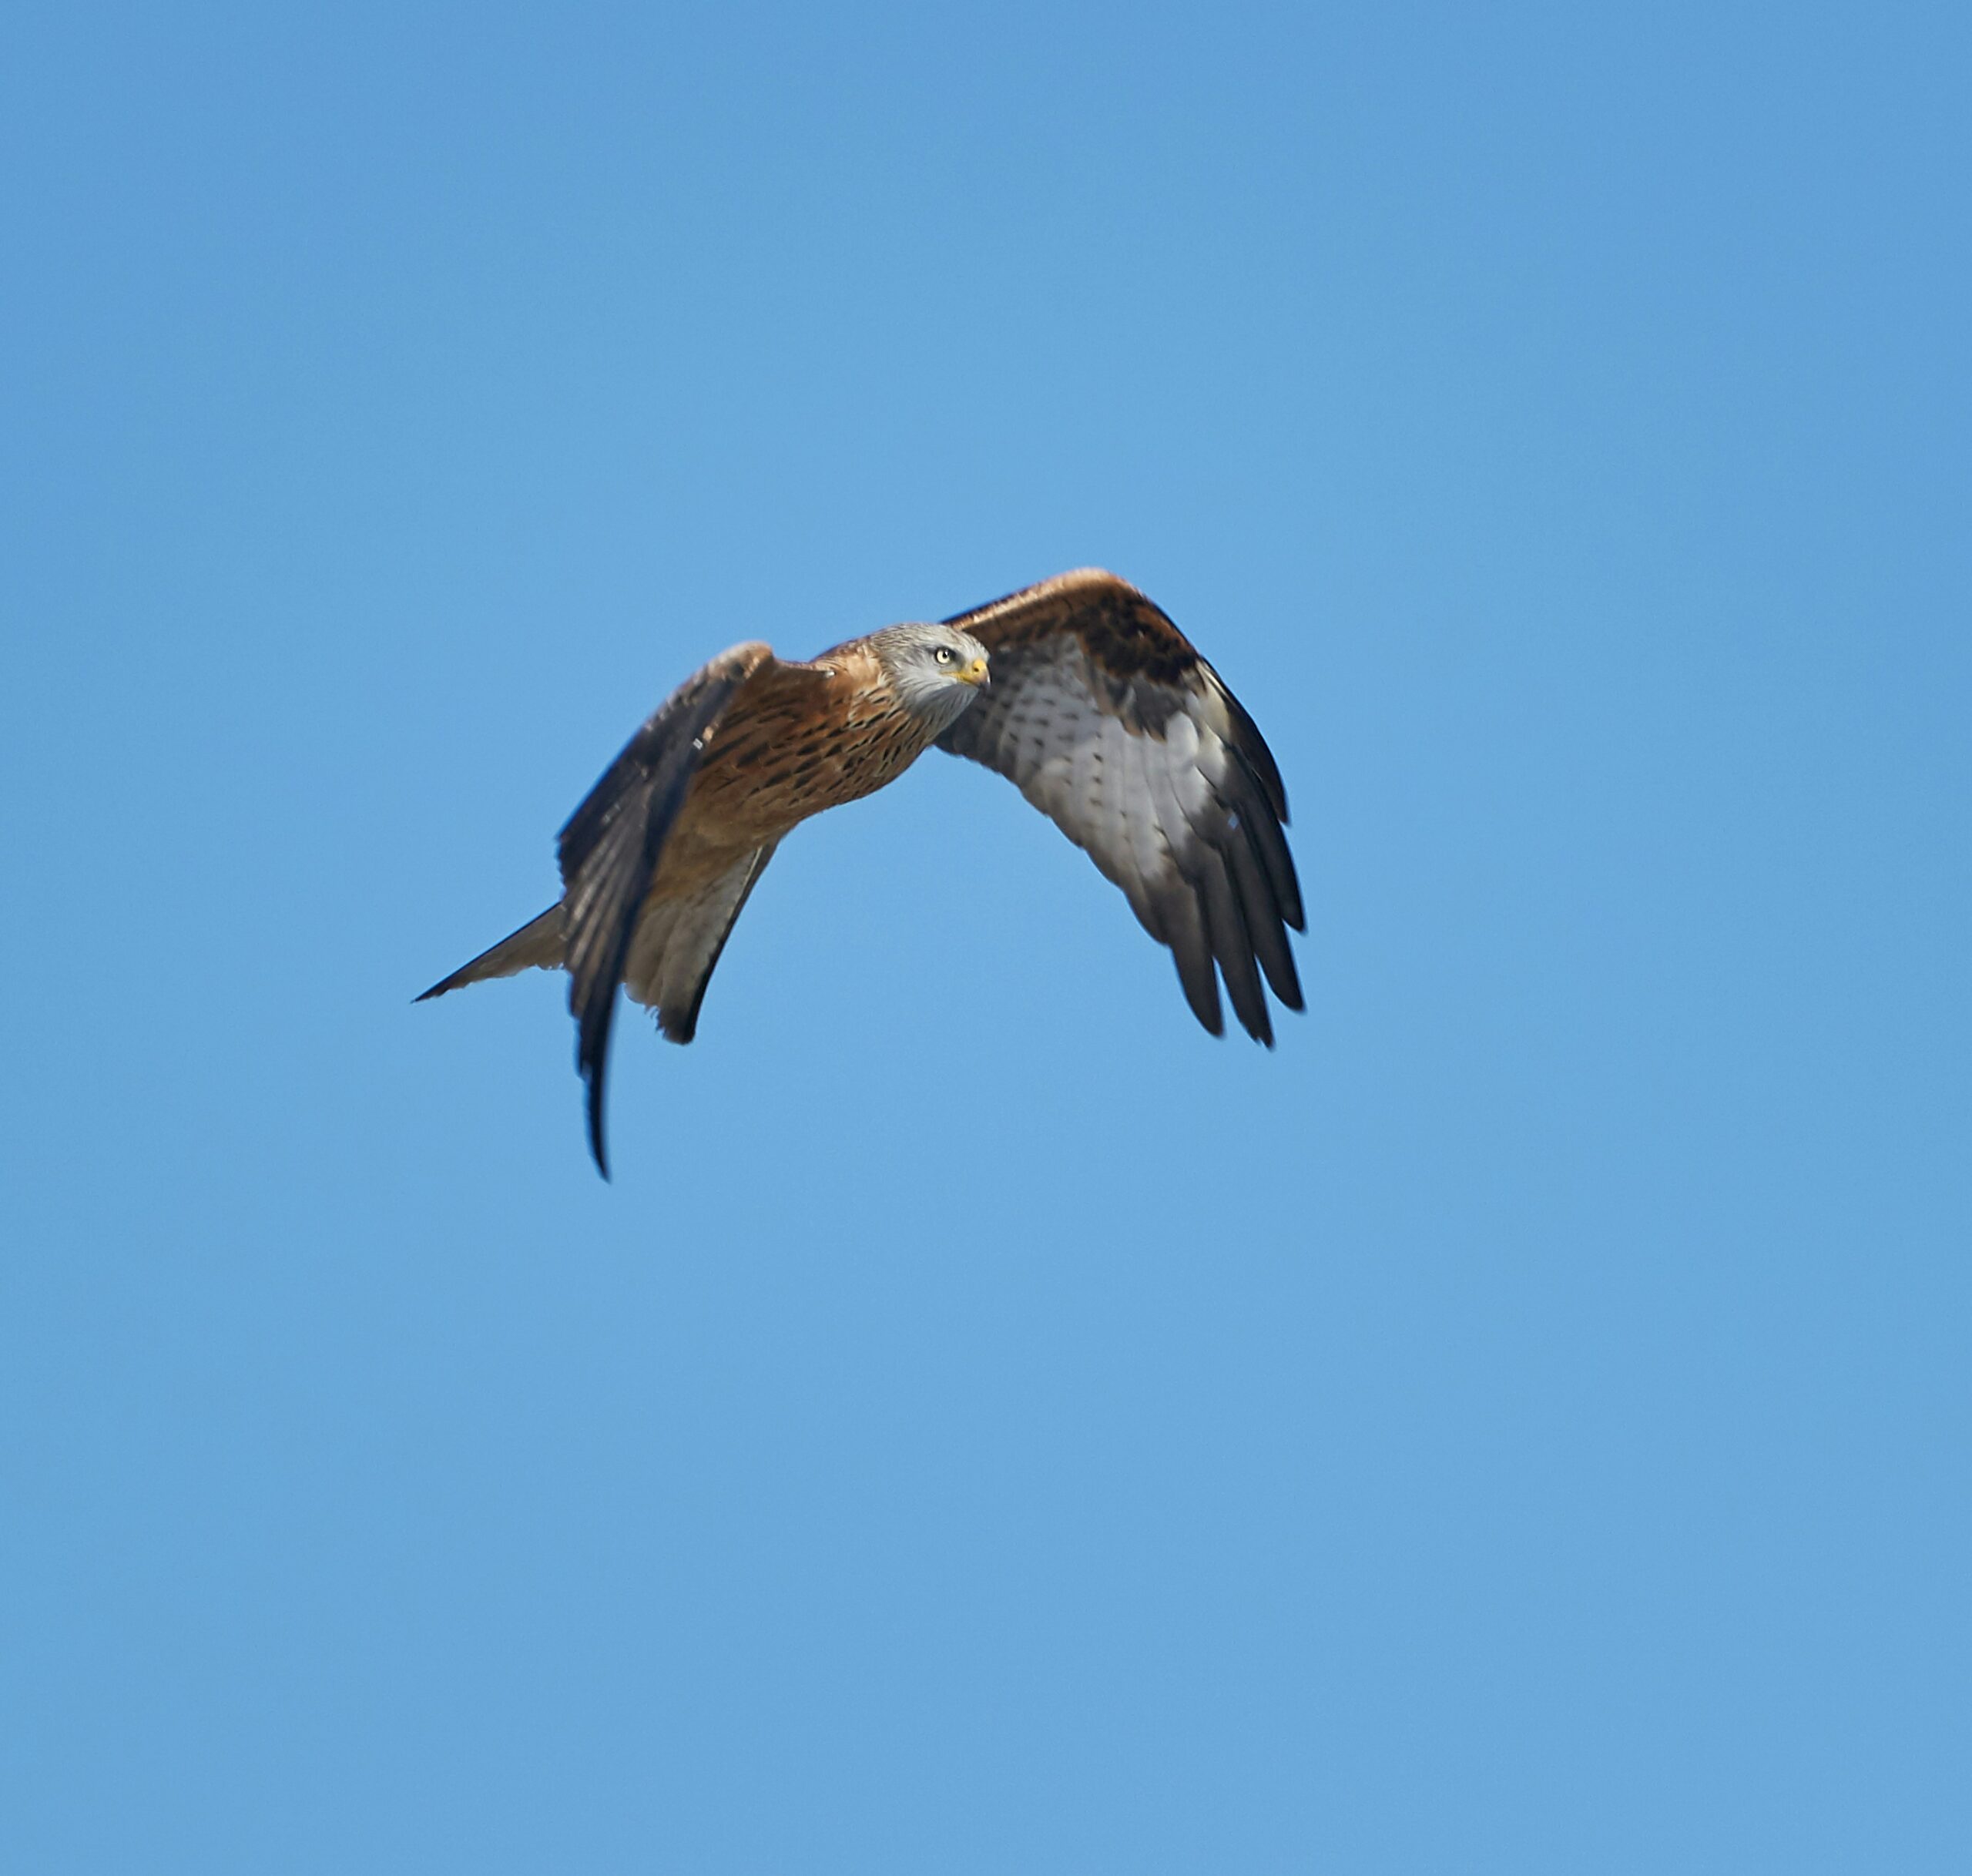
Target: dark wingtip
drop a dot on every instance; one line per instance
(596, 1145)
(593, 1021)
(1253, 746)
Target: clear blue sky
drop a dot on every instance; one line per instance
(1521, 1424)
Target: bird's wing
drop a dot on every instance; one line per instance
(679, 941)
(611, 846)
(1108, 721)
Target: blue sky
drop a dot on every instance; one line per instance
(1520, 1424)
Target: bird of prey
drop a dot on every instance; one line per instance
(1079, 690)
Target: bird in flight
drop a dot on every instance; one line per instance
(1079, 690)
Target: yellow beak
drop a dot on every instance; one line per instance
(975, 673)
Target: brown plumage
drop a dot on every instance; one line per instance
(1098, 708)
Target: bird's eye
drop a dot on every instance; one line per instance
(944, 654)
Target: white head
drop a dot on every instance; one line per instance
(937, 670)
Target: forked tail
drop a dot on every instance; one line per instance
(537, 945)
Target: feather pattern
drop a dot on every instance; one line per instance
(1098, 709)
(678, 943)
(1105, 717)
(609, 850)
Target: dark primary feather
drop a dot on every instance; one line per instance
(1109, 722)
(609, 851)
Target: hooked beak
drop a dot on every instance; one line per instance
(977, 675)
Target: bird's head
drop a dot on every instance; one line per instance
(938, 670)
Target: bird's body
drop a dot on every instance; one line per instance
(1099, 710)
(819, 736)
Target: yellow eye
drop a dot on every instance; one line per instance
(944, 654)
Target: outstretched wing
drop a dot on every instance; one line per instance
(1108, 721)
(610, 848)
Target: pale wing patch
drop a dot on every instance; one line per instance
(1159, 795)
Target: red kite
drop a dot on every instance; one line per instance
(1079, 690)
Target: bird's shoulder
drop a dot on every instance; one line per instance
(1120, 629)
